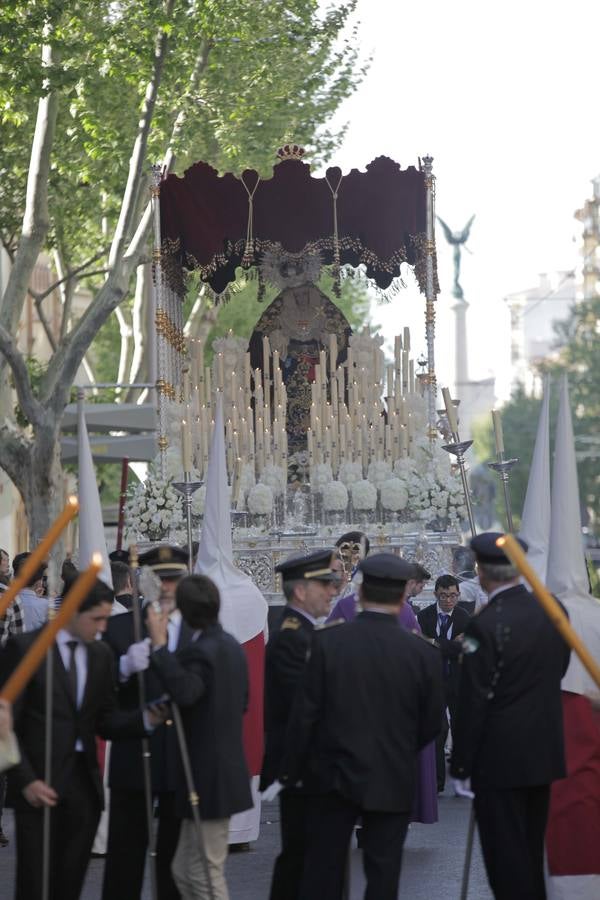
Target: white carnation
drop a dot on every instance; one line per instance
(379, 471)
(198, 501)
(320, 475)
(335, 496)
(394, 495)
(275, 477)
(260, 500)
(364, 495)
(350, 472)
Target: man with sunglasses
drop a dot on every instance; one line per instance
(444, 621)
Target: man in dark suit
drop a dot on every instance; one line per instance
(127, 829)
(371, 697)
(444, 622)
(209, 680)
(508, 734)
(309, 586)
(84, 705)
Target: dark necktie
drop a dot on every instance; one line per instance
(72, 670)
(444, 624)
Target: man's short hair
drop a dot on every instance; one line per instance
(446, 581)
(384, 596)
(288, 588)
(199, 600)
(99, 593)
(121, 574)
(421, 573)
(19, 561)
(500, 573)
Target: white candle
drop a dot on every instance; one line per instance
(498, 433)
(186, 445)
(398, 352)
(207, 387)
(220, 372)
(406, 341)
(390, 381)
(333, 353)
(450, 410)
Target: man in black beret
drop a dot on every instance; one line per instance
(371, 697)
(127, 830)
(508, 736)
(309, 585)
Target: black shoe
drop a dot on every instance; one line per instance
(243, 847)
(3, 839)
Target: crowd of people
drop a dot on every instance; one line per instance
(366, 689)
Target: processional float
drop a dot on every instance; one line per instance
(304, 393)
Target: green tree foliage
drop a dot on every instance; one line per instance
(579, 357)
(90, 94)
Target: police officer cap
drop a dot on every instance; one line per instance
(386, 570)
(315, 566)
(119, 556)
(485, 549)
(166, 561)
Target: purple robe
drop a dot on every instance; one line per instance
(425, 807)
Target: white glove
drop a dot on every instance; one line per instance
(137, 659)
(272, 791)
(463, 788)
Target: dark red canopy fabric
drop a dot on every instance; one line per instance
(209, 224)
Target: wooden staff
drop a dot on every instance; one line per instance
(39, 555)
(122, 500)
(146, 754)
(30, 663)
(550, 606)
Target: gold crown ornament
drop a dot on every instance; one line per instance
(290, 151)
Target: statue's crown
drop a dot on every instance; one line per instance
(290, 151)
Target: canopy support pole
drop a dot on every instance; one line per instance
(430, 295)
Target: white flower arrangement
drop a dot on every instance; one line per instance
(320, 475)
(335, 496)
(435, 492)
(153, 507)
(350, 472)
(364, 495)
(275, 477)
(394, 495)
(260, 500)
(379, 471)
(199, 501)
(247, 481)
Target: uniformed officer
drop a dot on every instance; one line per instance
(309, 585)
(371, 697)
(508, 735)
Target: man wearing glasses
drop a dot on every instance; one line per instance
(445, 622)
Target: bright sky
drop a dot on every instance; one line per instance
(504, 96)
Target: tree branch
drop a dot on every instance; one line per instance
(41, 315)
(35, 219)
(31, 407)
(138, 155)
(15, 453)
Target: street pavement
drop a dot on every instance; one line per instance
(431, 869)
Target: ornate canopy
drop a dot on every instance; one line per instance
(214, 223)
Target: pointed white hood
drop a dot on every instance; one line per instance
(91, 526)
(535, 521)
(567, 573)
(243, 607)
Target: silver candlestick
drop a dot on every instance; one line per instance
(503, 467)
(188, 488)
(457, 448)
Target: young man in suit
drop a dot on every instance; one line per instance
(127, 843)
(444, 622)
(309, 586)
(508, 732)
(84, 705)
(371, 698)
(208, 679)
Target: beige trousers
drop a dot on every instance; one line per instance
(187, 866)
